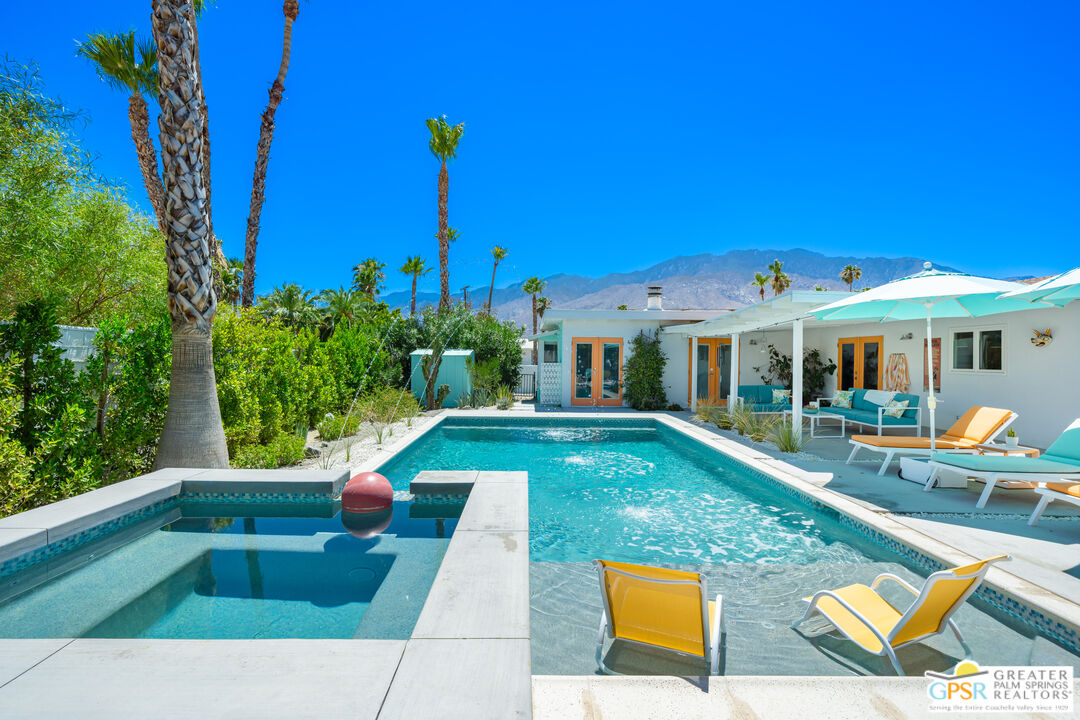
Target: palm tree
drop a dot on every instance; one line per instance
(128, 65)
(291, 304)
(542, 305)
(231, 277)
(760, 282)
(850, 274)
(533, 286)
(415, 266)
(443, 145)
(780, 280)
(367, 276)
(499, 253)
(342, 306)
(192, 435)
(291, 9)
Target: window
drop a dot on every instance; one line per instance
(551, 352)
(978, 350)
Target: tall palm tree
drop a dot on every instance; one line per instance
(533, 286)
(128, 65)
(342, 306)
(760, 282)
(291, 9)
(231, 277)
(192, 435)
(291, 304)
(542, 305)
(780, 280)
(850, 274)
(367, 276)
(415, 266)
(499, 253)
(443, 145)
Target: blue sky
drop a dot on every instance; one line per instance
(605, 137)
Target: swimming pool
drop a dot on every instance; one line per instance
(639, 491)
(235, 571)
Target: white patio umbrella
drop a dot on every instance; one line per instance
(1059, 290)
(929, 294)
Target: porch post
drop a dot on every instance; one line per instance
(733, 390)
(693, 374)
(797, 375)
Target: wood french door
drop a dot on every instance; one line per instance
(861, 362)
(597, 371)
(712, 363)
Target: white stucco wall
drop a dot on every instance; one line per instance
(1038, 383)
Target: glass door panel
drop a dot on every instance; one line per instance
(610, 389)
(723, 361)
(869, 373)
(847, 365)
(583, 366)
(702, 369)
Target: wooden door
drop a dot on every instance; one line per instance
(712, 363)
(596, 371)
(861, 362)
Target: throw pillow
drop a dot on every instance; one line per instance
(896, 408)
(781, 397)
(843, 398)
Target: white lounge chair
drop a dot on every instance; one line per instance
(1066, 492)
(1061, 461)
(978, 426)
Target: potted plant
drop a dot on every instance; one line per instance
(1011, 440)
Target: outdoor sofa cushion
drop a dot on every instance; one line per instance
(758, 394)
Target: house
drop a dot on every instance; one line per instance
(1023, 360)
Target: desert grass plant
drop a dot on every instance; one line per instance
(723, 418)
(787, 439)
(504, 400)
(706, 410)
(761, 426)
(742, 418)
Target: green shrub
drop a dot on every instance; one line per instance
(786, 439)
(504, 400)
(333, 427)
(283, 450)
(643, 374)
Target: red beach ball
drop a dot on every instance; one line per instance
(367, 493)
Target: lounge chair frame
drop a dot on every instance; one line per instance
(1047, 496)
(891, 452)
(711, 642)
(991, 478)
(887, 648)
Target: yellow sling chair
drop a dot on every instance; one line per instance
(872, 623)
(662, 608)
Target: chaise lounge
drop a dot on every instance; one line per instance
(864, 412)
(1061, 461)
(978, 426)
(1051, 491)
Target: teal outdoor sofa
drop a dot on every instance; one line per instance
(759, 398)
(869, 414)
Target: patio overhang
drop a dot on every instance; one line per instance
(774, 312)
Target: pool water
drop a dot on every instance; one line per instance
(235, 572)
(639, 491)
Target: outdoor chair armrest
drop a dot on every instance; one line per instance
(899, 581)
(918, 414)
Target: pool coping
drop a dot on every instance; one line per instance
(1043, 610)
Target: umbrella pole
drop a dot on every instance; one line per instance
(931, 400)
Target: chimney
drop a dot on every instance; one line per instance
(655, 298)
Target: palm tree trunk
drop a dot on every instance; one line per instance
(444, 239)
(193, 435)
(218, 256)
(144, 148)
(492, 288)
(536, 355)
(412, 305)
(262, 155)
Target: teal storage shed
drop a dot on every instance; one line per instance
(453, 371)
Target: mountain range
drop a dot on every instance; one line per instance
(705, 281)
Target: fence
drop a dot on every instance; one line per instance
(526, 385)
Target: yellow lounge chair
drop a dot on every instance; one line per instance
(872, 623)
(979, 425)
(661, 608)
(1066, 492)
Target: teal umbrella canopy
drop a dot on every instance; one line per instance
(1059, 290)
(931, 293)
